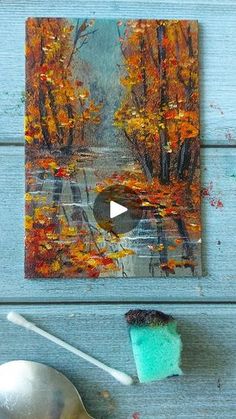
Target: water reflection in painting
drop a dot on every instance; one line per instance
(112, 102)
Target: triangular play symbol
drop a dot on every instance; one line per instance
(116, 209)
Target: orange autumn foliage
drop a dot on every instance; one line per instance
(58, 105)
(57, 250)
(59, 109)
(159, 117)
(160, 110)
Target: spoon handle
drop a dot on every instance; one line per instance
(21, 321)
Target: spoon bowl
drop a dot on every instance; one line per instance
(35, 391)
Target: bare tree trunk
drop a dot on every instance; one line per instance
(164, 156)
(184, 158)
(54, 114)
(185, 153)
(144, 160)
(42, 103)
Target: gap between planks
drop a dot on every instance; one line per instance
(117, 303)
(21, 144)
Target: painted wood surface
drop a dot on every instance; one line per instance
(206, 390)
(217, 54)
(219, 243)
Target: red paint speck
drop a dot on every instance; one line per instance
(205, 192)
(217, 203)
(210, 196)
(136, 415)
(213, 202)
(208, 190)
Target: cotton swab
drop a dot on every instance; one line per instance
(21, 321)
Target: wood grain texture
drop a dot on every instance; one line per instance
(219, 243)
(217, 21)
(206, 390)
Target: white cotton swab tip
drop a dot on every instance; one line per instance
(16, 318)
(122, 377)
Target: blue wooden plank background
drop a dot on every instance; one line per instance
(208, 388)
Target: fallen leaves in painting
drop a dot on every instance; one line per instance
(155, 120)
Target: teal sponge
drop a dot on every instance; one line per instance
(156, 344)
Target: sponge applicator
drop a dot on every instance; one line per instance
(156, 344)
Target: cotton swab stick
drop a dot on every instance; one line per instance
(21, 321)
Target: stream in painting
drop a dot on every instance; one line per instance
(79, 150)
(95, 165)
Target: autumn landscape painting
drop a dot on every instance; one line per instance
(111, 102)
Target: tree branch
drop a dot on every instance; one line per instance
(78, 31)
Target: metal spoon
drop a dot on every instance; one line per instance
(35, 391)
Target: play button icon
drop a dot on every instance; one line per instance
(117, 209)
